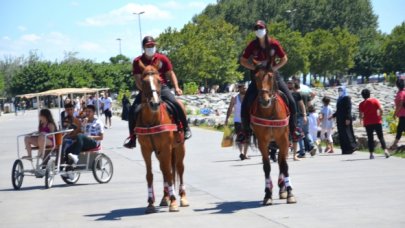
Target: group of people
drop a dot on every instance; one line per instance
(103, 104)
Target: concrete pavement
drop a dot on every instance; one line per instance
(332, 190)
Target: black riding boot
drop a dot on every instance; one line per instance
(187, 130)
(132, 114)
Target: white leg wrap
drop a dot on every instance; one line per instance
(269, 184)
(171, 191)
(151, 194)
(287, 182)
(182, 188)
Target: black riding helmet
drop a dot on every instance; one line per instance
(148, 40)
(260, 25)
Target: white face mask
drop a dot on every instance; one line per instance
(150, 51)
(260, 33)
(340, 93)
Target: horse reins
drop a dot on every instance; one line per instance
(271, 91)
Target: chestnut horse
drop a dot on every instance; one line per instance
(157, 133)
(269, 121)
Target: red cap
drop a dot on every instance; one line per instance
(148, 40)
(260, 25)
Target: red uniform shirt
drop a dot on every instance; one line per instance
(369, 108)
(258, 53)
(400, 97)
(161, 61)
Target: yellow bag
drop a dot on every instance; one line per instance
(227, 139)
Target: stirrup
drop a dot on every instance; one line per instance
(130, 142)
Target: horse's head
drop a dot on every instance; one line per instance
(266, 86)
(151, 86)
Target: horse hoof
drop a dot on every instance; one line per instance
(283, 195)
(150, 209)
(291, 200)
(267, 201)
(174, 208)
(184, 202)
(164, 202)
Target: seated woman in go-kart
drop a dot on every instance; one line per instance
(38, 139)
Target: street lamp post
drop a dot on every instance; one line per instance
(291, 14)
(119, 43)
(140, 30)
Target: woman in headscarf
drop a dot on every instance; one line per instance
(125, 108)
(344, 122)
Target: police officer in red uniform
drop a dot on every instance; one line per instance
(165, 68)
(260, 53)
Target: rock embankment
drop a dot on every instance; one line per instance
(211, 108)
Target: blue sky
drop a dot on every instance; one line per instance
(91, 27)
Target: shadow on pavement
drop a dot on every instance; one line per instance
(43, 187)
(247, 164)
(119, 213)
(234, 160)
(356, 159)
(232, 207)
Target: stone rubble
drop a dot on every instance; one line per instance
(218, 103)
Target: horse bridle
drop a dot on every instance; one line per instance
(154, 91)
(272, 91)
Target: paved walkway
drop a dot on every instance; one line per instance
(332, 190)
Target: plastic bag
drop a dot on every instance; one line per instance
(227, 139)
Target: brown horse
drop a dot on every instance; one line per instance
(157, 133)
(269, 121)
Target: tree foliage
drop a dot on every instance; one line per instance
(34, 75)
(331, 51)
(2, 83)
(302, 15)
(296, 46)
(201, 53)
(394, 50)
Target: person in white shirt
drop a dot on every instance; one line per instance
(235, 106)
(77, 105)
(326, 125)
(91, 137)
(90, 100)
(313, 125)
(107, 104)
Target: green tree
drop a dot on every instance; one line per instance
(332, 52)
(302, 15)
(122, 59)
(201, 53)
(296, 47)
(394, 50)
(369, 58)
(32, 78)
(1, 83)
